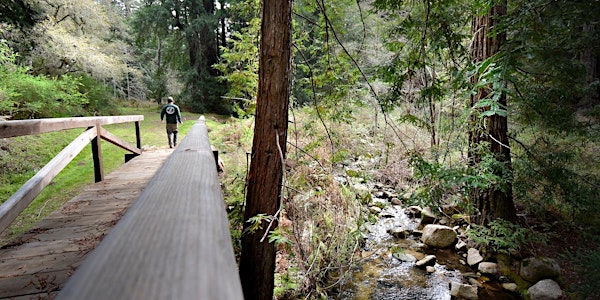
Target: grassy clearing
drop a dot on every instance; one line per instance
(22, 157)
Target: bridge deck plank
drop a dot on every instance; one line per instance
(37, 264)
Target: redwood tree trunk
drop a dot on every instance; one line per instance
(497, 201)
(257, 262)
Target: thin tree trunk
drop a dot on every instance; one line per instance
(495, 202)
(257, 262)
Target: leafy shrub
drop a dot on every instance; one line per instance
(100, 100)
(26, 96)
(438, 182)
(501, 236)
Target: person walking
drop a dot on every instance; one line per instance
(173, 114)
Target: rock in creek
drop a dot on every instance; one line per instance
(413, 211)
(399, 232)
(460, 245)
(488, 268)
(404, 257)
(473, 257)
(429, 260)
(534, 269)
(463, 291)
(427, 216)
(438, 236)
(546, 289)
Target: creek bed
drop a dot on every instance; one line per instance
(382, 275)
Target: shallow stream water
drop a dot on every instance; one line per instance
(381, 275)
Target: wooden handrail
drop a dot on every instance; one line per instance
(11, 208)
(173, 243)
(37, 126)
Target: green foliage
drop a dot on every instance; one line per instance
(559, 173)
(26, 96)
(286, 283)
(256, 222)
(438, 182)
(239, 60)
(550, 81)
(426, 40)
(100, 97)
(177, 42)
(501, 236)
(18, 12)
(587, 264)
(279, 237)
(325, 75)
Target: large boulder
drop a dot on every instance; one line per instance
(534, 269)
(546, 289)
(438, 236)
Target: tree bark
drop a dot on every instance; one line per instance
(494, 202)
(257, 262)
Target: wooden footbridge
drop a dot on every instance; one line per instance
(156, 228)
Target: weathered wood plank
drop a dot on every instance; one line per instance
(12, 207)
(173, 243)
(113, 139)
(37, 126)
(68, 261)
(39, 286)
(37, 265)
(43, 247)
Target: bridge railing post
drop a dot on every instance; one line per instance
(97, 154)
(13, 206)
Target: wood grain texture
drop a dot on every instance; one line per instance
(173, 243)
(37, 126)
(12, 207)
(37, 264)
(115, 140)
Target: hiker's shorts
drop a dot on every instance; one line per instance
(171, 128)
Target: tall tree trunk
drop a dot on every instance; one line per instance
(257, 262)
(494, 202)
